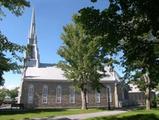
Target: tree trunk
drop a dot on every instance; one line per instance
(148, 92)
(83, 98)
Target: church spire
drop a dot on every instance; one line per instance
(32, 57)
(32, 32)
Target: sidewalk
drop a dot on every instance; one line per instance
(84, 116)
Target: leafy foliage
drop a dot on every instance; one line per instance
(15, 6)
(81, 55)
(3, 94)
(82, 60)
(12, 94)
(6, 46)
(131, 26)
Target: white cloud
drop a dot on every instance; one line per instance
(10, 86)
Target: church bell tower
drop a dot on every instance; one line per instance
(32, 58)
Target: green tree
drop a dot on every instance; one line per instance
(130, 26)
(13, 93)
(6, 46)
(81, 62)
(3, 94)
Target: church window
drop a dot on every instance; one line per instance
(72, 95)
(58, 94)
(97, 97)
(87, 97)
(45, 94)
(30, 94)
(109, 93)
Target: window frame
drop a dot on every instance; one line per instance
(58, 97)
(30, 94)
(72, 95)
(87, 98)
(97, 96)
(110, 93)
(45, 94)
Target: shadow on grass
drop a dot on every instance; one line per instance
(132, 117)
(17, 111)
(25, 111)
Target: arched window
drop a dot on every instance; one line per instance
(87, 99)
(97, 96)
(58, 94)
(72, 94)
(45, 94)
(109, 93)
(30, 94)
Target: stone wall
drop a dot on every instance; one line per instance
(65, 103)
(138, 98)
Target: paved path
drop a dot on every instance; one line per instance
(85, 115)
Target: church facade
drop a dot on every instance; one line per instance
(45, 86)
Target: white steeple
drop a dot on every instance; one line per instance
(32, 31)
(32, 57)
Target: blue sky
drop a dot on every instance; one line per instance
(51, 16)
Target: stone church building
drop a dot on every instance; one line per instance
(45, 86)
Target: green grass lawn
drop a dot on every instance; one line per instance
(133, 115)
(40, 113)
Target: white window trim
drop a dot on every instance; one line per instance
(45, 95)
(58, 98)
(72, 97)
(110, 93)
(97, 96)
(30, 94)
